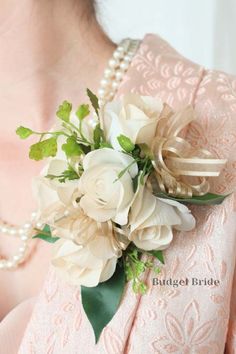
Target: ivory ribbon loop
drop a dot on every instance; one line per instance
(117, 236)
(176, 157)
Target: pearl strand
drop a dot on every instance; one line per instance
(24, 233)
(113, 75)
(117, 67)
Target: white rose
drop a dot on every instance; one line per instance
(52, 196)
(133, 116)
(151, 220)
(105, 196)
(89, 263)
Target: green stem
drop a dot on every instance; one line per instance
(42, 134)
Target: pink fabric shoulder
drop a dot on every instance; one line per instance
(188, 319)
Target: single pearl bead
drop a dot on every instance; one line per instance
(17, 258)
(127, 58)
(112, 63)
(38, 225)
(119, 75)
(108, 73)
(33, 215)
(21, 231)
(9, 264)
(22, 249)
(101, 92)
(120, 49)
(12, 232)
(27, 225)
(104, 82)
(117, 55)
(111, 95)
(115, 85)
(124, 65)
(24, 237)
(3, 229)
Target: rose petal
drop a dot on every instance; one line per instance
(188, 221)
(108, 270)
(109, 156)
(101, 247)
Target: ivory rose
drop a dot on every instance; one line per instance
(133, 116)
(84, 254)
(51, 195)
(151, 220)
(105, 196)
(88, 263)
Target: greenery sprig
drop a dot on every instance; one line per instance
(135, 265)
(77, 144)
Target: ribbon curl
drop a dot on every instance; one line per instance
(175, 157)
(117, 236)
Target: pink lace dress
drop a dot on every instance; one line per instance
(189, 319)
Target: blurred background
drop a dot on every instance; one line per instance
(202, 30)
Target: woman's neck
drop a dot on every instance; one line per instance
(50, 51)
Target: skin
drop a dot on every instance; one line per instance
(49, 51)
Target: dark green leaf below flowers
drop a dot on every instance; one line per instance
(101, 302)
(158, 255)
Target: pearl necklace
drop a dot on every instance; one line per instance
(25, 234)
(117, 67)
(113, 75)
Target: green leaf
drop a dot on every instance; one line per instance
(157, 270)
(24, 132)
(42, 149)
(64, 111)
(97, 136)
(122, 172)
(70, 174)
(46, 235)
(207, 199)
(105, 144)
(100, 303)
(71, 147)
(86, 149)
(136, 151)
(82, 111)
(158, 255)
(135, 183)
(126, 143)
(94, 100)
